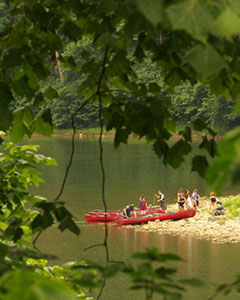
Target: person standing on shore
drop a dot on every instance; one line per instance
(161, 199)
(213, 201)
(143, 203)
(180, 199)
(195, 198)
(188, 199)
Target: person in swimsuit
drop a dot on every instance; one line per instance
(127, 211)
(213, 201)
(143, 203)
(161, 199)
(180, 199)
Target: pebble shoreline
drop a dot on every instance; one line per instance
(218, 229)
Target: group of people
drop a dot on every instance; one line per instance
(185, 200)
(160, 198)
(129, 209)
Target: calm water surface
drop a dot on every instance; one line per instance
(130, 171)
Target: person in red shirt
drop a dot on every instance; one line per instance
(143, 203)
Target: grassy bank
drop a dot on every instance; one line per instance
(84, 131)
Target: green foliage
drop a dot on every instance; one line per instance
(189, 41)
(226, 289)
(233, 207)
(26, 284)
(18, 169)
(154, 277)
(149, 49)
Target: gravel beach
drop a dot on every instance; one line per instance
(218, 229)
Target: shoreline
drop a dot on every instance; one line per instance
(217, 229)
(195, 136)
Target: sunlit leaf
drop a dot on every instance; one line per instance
(152, 10)
(227, 24)
(192, 16)
(205, 60)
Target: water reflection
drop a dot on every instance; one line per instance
(131, 170)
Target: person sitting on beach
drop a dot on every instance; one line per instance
(127, 211)
(143, 203)
(180, 199)
(213, 201)
(161, 199)
(220, 210)
(195, 198)
(188, 199)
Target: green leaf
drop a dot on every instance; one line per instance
(43, 124)
(17, 132)
(176, 153)
(37, 222)
(23, 119)
(51, 93)
(153, 254)
(67, 223)
(152, 10)
(199, 164)
(38, 99)
(199, 125)
(192, 16)
(112, 270)
(71, 30)
(227, 24)
(32, 286)
(210, 146)
(47, 219)
(121, 136)
(13, 58)
(5, 114)
(22, 87)
(18, 234)
(205, 60)
(3, 251)
(187, 134)
(161, 148)
(47, 206)
(107, 6)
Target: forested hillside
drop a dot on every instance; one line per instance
(189, 101)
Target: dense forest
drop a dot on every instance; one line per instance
(138, 67)
(188, 101)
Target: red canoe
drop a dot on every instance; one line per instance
(101, 216)
(150, 209)
(154, 217)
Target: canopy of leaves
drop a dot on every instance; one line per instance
(186, 39)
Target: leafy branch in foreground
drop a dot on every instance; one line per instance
(22, 216)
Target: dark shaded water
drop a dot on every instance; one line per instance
(130, 171)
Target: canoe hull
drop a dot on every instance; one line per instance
(154, 217)
(110, 216)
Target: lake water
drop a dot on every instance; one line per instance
(130, 171)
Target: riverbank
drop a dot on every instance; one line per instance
(95, 134)
(218, 229)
